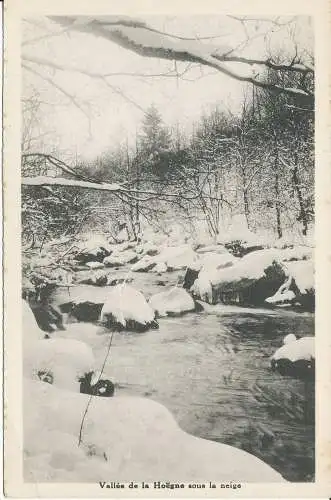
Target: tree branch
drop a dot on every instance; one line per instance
(147, 42)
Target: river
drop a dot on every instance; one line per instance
(212, 371)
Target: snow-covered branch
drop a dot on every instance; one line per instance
(138, 37)
(43, 180)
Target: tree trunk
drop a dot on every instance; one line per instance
(303, 215)
(246, 207)
(277, 204)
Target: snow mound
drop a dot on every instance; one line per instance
(173, 301)
(177, 257)
(213, 261)
(85, 332)
(120, 259)
(160, 267)
(125, 304)
(251, 266)
(95, 265)
(302, 272)
(297, 350)
(63, 360)
(127, 438)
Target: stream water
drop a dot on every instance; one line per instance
(212, 371)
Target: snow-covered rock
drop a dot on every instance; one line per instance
(302, 272)
(178, 257)
(172, 302)
(98, 278)
(148, 248)
(249, 267)
(161, 267)
(295, 357)
(299, 287)
(127, 308)
(121, 258)
(202, 288)
(59, 361)
(213, 261)
(248, 281)
(94, 254)
(295, 350)
(143, 265)
(95, 265)
(127, 438)
(283, 295)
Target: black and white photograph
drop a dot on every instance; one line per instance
(167, 231)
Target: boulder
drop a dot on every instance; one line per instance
(86, 311)
(249, 281)
(298, 288)
(172, 302)
(161, 267)
(96, 254)
(143, 265)
(295, 357)
(127, 309)
(98, 278)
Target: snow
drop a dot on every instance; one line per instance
(95, 265)
(177, 257)
(139, 438)
(173, 301)
(160, 267)
(251, 266)
(144, 264)
(92, 241)
(283, 294)
(119, 259)
(299, 252)
(173, 257)
(202, 288)
(289, 338)
(296, 350)
(302, 272)
(85, 332)
(66, 359)
(212, 248)
(281, 297)
(238, 230)
(125, 303)
(213, 261)
(42, 180)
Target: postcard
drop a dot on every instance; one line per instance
(167, 249)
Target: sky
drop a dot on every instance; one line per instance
(81, 117)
